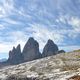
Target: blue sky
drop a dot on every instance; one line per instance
(58, 20)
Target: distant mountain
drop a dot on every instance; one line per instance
(2, 60)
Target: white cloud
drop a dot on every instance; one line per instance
(61, 19)
(75, 22)
(16, 38)
(2, 12)
(71, 22)
(11, 21)
(6, 8)
(17, 35)
(6, 47)
(23, 13)
(2, 27)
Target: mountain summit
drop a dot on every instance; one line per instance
(50, 49)
(31, 50)
(15, 56)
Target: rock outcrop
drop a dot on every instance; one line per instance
(31, 50)
(15, 56)
(61, 51)
(50, 49)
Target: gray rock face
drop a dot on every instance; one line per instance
(15, 55)
(50, 49)
(31, 50)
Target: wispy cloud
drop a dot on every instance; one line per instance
(11, 21)
(5, 46)
(71, 23)
(22, 13)
(17, 35)
(75, 22)
(2, 27)
(6, 8)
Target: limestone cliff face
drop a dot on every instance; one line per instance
(15, 55)
(31, 50)
(50, 49)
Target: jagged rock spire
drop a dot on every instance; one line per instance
(31, 50)
(50, 49)
(15, 55)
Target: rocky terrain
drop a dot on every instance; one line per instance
(63, 66)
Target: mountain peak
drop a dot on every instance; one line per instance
(18, 46)
(31, 50)
(31, 38)
(50, 41)
(50, 49)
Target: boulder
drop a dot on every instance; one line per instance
(61, 51)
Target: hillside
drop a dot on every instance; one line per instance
(59, 67)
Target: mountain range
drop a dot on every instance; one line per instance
(31, 52)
